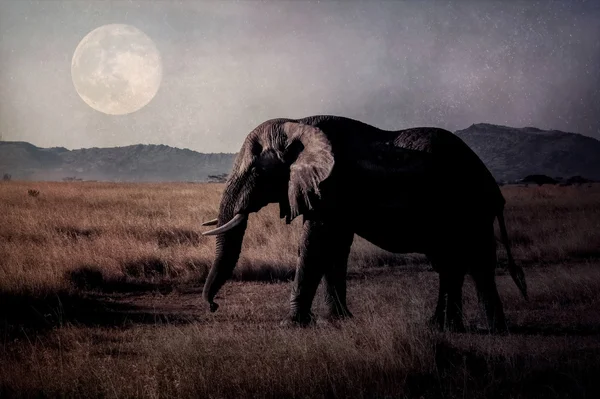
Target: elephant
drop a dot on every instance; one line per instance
(416, 190)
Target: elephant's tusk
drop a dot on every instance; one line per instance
(211, 222)
(237, 219)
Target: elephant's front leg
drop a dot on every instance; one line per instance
(335, 274)
(313, 259)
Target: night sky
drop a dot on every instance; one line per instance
(228, 66)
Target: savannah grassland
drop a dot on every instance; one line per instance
(100, 296)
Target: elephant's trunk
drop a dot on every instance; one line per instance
(228, 247)
(227, 250)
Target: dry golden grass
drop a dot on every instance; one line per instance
(100, 289)
(122, 230)
(153, 232)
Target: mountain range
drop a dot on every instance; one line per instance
(513, 153)
(510, 153)
(133, 163)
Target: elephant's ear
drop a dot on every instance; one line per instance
(311, 160)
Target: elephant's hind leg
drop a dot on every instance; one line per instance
(488, 296)
(335, 274)
(487, 293)
(483, 274)
(454, 311)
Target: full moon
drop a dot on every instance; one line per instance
(116, 69)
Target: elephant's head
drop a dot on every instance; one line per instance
(281, 161)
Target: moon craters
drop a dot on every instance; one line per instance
(116, 69)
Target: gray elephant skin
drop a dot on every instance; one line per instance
(418, 190)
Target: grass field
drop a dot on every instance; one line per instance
(100, 296)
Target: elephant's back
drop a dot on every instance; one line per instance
(460, 167)
(440, 142)
(456, 167)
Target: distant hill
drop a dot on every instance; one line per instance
(513, 153)
(153, 163)
(510, 153)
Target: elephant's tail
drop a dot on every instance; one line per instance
(516, 272)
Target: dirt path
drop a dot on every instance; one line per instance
(563, 300)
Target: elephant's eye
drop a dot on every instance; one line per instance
(267, 160)
(256, 147)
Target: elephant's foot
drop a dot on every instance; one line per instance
(495, 320)
(443, 323)
(296, 319)
(499, 327)
(501, 330)
(339, 313)
(456, 325)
